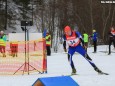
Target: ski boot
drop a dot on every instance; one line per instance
(73, 71)
(97, 70)
(109, 53)
(100, 72)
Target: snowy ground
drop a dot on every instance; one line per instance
(58, 65)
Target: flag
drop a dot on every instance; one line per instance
(44, 33)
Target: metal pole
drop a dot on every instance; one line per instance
(25, 50)
(28, 50)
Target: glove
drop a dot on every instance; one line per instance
(84, 47)
(65, 50)
(1, 37)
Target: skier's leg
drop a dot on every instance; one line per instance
(71, 51)
(82, 51)
(64, 46)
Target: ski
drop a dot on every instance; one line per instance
(106, 51)
(103, 73)
(73, 74)
(70, 75)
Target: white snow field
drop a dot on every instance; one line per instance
(58, 65)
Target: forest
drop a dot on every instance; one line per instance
(82, 15)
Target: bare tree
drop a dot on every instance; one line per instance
(113, 14)
(105, 19)
(91, 14)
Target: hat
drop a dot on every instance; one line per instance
(94, 30)
(67, 29)
(47, 32)
(2, 32)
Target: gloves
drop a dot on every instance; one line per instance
(1, 37)
(65, 50)
(84, 47)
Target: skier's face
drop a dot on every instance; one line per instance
(112, 28)
(68, 33)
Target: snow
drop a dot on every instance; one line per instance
(58, 65)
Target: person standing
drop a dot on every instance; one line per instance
(14, 48)
(74, 42)
(111, 39)
(2, 43)
(48, 43)
(94, 38)
(85, 39)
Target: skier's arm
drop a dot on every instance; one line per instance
(48, 38)
(80, 37)
(64, 44)
(82, 42)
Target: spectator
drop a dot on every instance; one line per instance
(85, 39)
(2, 43)
(111, 38)
(48, 43)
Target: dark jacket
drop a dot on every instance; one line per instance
(111, 36)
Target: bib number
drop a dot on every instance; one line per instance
(73, 42)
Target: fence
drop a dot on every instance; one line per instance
(23, 57)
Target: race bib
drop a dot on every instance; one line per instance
(73, 42)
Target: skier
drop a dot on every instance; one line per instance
(74, 41)
(111, 38)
